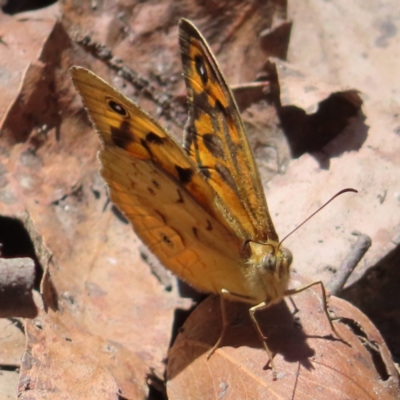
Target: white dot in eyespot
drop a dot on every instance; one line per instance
(202, 70)
(116, 107)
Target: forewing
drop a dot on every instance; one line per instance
(160, 191)
(216, 141)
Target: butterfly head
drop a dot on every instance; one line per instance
(277, 261)
(270, 264)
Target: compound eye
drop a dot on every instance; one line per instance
(287, 257)
(269, 262)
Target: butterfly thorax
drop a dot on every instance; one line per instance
(269, 271)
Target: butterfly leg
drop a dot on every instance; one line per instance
(224, 323)
(252, 312)
(226, 294)
(292, 292)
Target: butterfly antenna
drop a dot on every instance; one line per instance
(319, 209)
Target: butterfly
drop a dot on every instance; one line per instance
(200, 207)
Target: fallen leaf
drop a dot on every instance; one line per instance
(310, 361)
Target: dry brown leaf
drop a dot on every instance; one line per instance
(97, 289)
(27, 35)
(61, 360)
(310, 362)
(13, 341)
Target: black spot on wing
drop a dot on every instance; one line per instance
(184, 174)
(151, 191)
(195, 232)
(209, 226)
(180, 198)
(144, 144)
(205, 171)
(190, 135)
(165, 238)
(201, 69)
(201, 105)
(122, 136)
(117, 108)
(214, 145)
(151, 137)
(221, 108)
(155, 183)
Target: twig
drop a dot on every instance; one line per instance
(357, 252)
(17, 276)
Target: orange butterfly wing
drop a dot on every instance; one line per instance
(217, 143)
(161, 192)
(201, 210)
